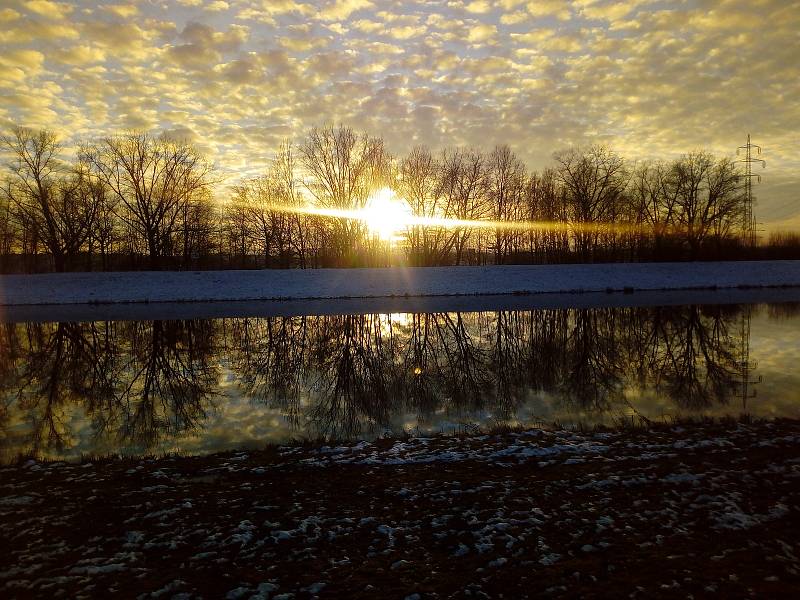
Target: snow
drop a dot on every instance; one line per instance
(549, 559)
(215, 286)
(16, 500)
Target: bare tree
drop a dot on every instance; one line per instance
(344, 169)
(594, 181)
(154, 180)
(464, 192)
(653, 201)
(420, 185)
(258, 201)
(264, 208)
(301, 226)
(56, 201)
(9, 235)
(505, 175)
(708, 198)
(134, 199)
(546, 204)
(197, 227)
(170, 382)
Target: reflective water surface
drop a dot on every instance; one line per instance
(196, 386)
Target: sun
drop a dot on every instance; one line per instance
(386, 215)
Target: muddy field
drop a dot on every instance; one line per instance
(707, 510)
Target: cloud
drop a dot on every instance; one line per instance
(46, 8)
(338, 10)
(30, 31)
(559, 9)
(481, 33)
(124, 11)
(80, 54)
(127, 41)
(19, 66)
(218, 5)
(303, 43)
(205, 46)
(267, 11)
(8, 14)
(405, 32)
(180, 134)
(514, 18)
(30, 60)
(649, 78)
(478, 7)
(223, 41)
(241, 71)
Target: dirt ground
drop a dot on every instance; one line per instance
(703, 510)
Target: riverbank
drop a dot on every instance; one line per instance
(220, 286)
(707, 509)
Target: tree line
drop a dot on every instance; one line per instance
(145, 383)
(135, 201)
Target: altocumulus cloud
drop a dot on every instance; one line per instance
(650, 78)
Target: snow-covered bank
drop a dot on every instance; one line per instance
(44, 313)
(216, 286)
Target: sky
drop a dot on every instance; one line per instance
(651, 79)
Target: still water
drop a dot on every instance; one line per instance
(201, 385)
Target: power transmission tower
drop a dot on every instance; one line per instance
(748, 221)
(747, 366)
(747, 382)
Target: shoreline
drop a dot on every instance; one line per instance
(312, 446)
(154, 287)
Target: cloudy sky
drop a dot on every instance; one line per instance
(652, 79)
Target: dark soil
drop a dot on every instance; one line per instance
(709, 510)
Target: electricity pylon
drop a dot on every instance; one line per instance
(749, 239)
(747, 366)
(748, 221)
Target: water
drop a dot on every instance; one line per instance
(202, 385)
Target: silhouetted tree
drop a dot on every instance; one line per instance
(9, 228)
(505, 179)
(344, 169)
(135, 200)
(155, 181)
(464, 192)
(59, 204)
(594, 181)
(546, 204)
(699, 365)
(420, 184)
(354, 375)
(63, 365)
(708, 198)
(271, 358)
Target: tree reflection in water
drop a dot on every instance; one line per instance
(169, 380)
(143, 383)
(136, 382)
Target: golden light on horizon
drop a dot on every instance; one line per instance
(387, 215)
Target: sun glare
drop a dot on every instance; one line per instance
(387, 215)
